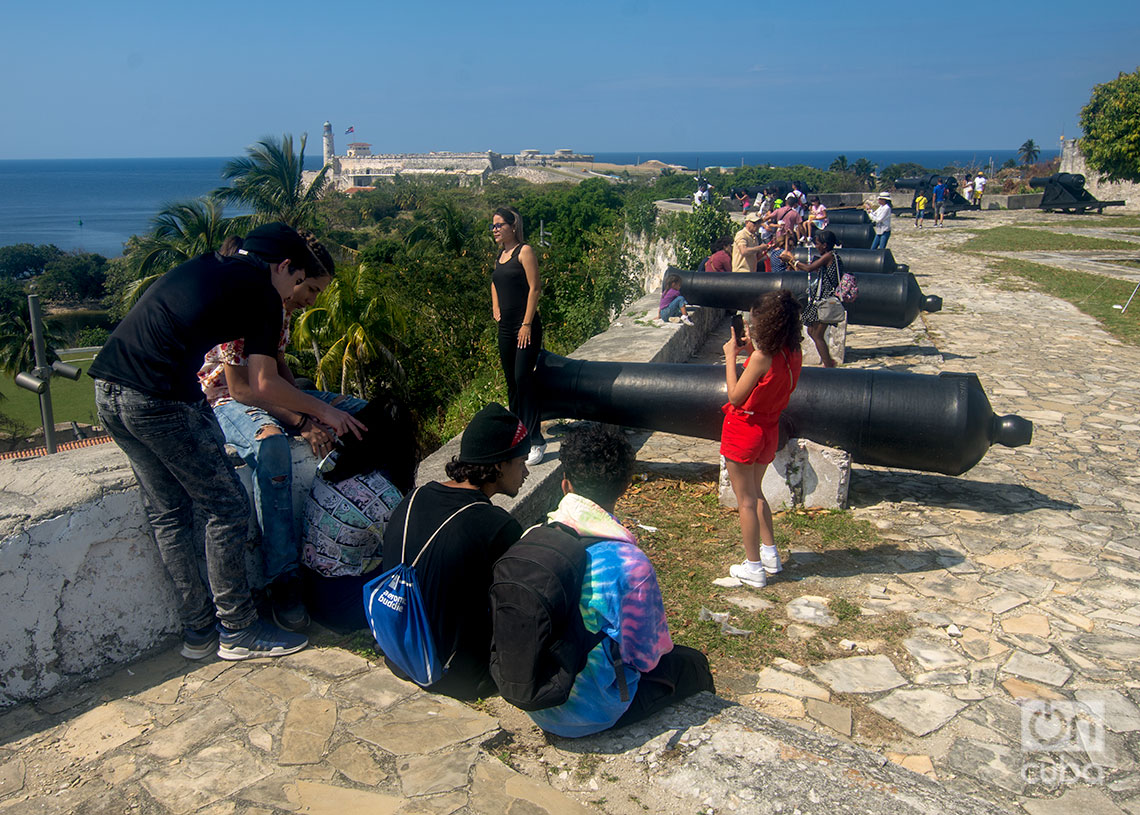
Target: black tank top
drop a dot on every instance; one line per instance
(511, 287)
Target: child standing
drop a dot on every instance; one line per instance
(750, 433)
(919, 209)
(672, 303)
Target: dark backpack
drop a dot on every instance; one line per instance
(540, 643)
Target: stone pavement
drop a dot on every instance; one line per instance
(1021, 577)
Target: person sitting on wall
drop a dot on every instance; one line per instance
(148, 398)
(347, 511)
(620, 598)
(721, 258)
(455, 573)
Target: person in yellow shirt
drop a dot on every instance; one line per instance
(746, 246)
(919, 209)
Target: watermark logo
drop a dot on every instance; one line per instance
(1057, 738)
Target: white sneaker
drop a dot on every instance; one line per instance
(771, 563)
(757, 579)
(536, 455)
(685, 319)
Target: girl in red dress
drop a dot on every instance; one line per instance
(749, 437)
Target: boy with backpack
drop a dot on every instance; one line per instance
(450, 534)
(627, 667)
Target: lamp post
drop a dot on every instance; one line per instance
(39, 380)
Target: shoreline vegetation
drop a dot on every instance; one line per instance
(409, 310)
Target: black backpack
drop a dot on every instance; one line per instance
(540, 643)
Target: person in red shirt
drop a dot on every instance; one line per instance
(750, 433)
(721, 258)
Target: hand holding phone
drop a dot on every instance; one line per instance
(738, 329)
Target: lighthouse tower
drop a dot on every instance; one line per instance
(330, 151)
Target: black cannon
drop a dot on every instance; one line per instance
(939, 424)
(853, 236)
(1066, 192)
(847, 216)
(925, 184)
(888, 300)
(860, 261)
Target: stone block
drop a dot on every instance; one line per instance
(802, 474)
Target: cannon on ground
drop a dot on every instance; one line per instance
(888, 300)
(859, 261)
(853, 236)
(1066, 192)
(925, 184)
(939, 424)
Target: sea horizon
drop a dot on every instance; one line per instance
(95, 204)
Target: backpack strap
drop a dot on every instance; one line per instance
(424, 548)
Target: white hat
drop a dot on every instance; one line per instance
(752, 217)
(884, 196)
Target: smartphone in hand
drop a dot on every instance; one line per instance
(738, 329)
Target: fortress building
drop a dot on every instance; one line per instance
(359, 167)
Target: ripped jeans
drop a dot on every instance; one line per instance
(263, 445)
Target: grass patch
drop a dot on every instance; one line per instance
(1101, 222)
(70, 401)
(1093, 294)
(694, 542)
(1020, 239)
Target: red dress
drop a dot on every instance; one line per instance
(751, 432)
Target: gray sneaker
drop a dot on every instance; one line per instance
(199, 643)
(259, 639)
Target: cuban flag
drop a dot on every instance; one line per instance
(350, 130)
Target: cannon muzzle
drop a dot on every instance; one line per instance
(940, 424)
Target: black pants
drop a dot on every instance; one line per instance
(518, 367)
(681, 673)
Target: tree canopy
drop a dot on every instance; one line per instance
(1111, 123)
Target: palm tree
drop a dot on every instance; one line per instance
(1029, 153)
(358, 321)
(181, 231)
(864, 170)
(17, 353)
(840, 164)
(269, 181)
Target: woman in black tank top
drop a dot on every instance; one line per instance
(515, 289)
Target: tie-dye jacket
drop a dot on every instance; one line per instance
(621, 598)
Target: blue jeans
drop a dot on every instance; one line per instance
(673, 309)
(177, 453)
(880, 241)
(270, 462)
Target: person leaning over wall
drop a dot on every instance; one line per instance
(148, 398)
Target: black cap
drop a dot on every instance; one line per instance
(494, 434)
(276, 242)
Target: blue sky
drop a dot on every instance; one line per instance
(207, 78)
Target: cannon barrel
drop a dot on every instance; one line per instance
(1072, 180)
(916, 182)
(853, 236)
(940, 424)
(888, 300)
(847, 216)
(860, 261)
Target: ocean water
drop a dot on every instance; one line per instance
(96, 204)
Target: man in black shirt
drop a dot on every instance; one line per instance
(147, 396)
(454, 574)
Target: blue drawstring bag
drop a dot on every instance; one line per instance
(395, 610)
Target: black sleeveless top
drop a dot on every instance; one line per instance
(512, 289)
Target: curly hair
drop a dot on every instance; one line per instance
(324, 266)
(776, 322)
(475, 474)
(598, 462)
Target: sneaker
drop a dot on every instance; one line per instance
(285, 604)
(757, 579)
(771, 563)
(537, 452)
(199, 643)
(258, 639)
(685, 319)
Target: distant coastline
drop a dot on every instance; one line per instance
(96, 204)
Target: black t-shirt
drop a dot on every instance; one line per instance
(454, 574)
(159, 346)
